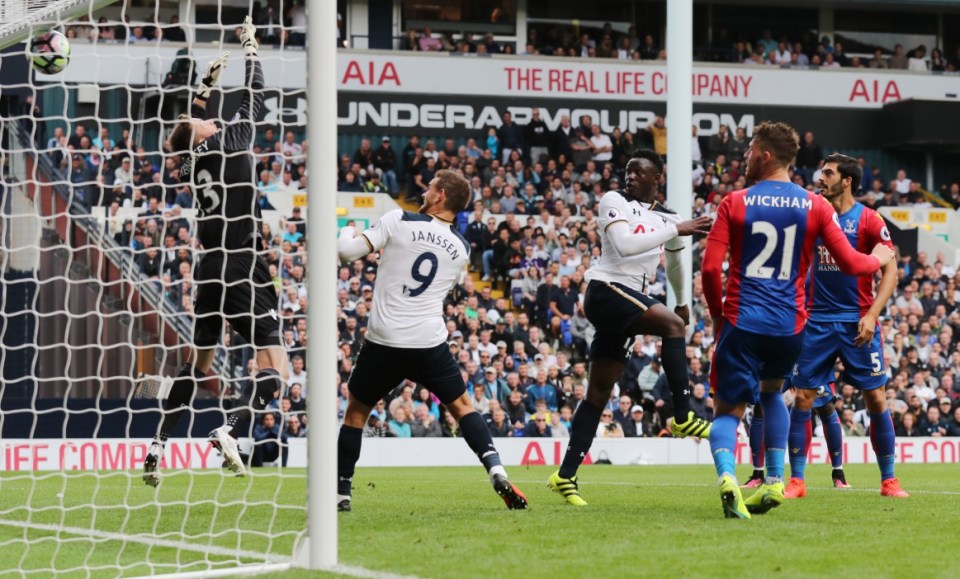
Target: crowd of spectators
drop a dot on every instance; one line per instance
(804, 52)
(521, 340)
(278, 24)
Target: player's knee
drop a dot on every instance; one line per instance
(357, 413)
(804, 398)
(875, 400)
(674, 327)
(460, 407)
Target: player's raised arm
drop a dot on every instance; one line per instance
(238, 134)
(717, 243)
(198, 109)
(849, 260)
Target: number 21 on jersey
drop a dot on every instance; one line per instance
(758, 268)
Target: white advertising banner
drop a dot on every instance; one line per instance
(603, 79)
(113, 454)
(396, 73)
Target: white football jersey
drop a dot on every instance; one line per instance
(423, 259)
(635, 271)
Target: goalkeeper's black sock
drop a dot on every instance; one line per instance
(178, 401)
(266, 385)
(674, 356)
(348, 453)
(583, 429)
(477, 435)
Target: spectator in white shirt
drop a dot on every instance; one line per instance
(602, 145)
(917, 61)
(291, 148)
(902, 183)
(781, 55)
(297, 373)
(695, 152)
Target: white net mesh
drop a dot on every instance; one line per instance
(99, 257)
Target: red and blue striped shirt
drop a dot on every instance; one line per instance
(771, 230)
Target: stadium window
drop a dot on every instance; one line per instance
(864, 31)
(745, 23)
(497, 16)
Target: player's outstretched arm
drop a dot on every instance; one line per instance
(849, 260)
(199, 107)
(238, 135)
(630, 243)
(717, 243)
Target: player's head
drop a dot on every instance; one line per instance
(190, 131)
(448, 191)
(774, 146)
(643, 173)
(840, 174)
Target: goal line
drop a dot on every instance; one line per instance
(150, 541)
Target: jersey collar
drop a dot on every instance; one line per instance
(441, 219)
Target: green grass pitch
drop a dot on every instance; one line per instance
(447, 522)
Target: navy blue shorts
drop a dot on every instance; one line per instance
(744, 359)
(380, 369)
(824, 342)
(613, 308)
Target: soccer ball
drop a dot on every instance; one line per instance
(49, 52)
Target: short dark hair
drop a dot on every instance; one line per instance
(457, 189)
(780, 139)
(848, 168)
(649, 155)
(181, 138)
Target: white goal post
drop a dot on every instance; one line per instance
(91, 336)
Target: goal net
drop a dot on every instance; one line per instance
(99, 252)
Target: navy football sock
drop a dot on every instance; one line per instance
(583, 429)
(348, 453)
(266, 384)
(799, 425)
(674, 356)
(477, 435)
(178, 400)
(833, 432)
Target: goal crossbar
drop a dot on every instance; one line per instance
(19, 17)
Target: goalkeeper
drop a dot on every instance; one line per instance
(232, 280)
